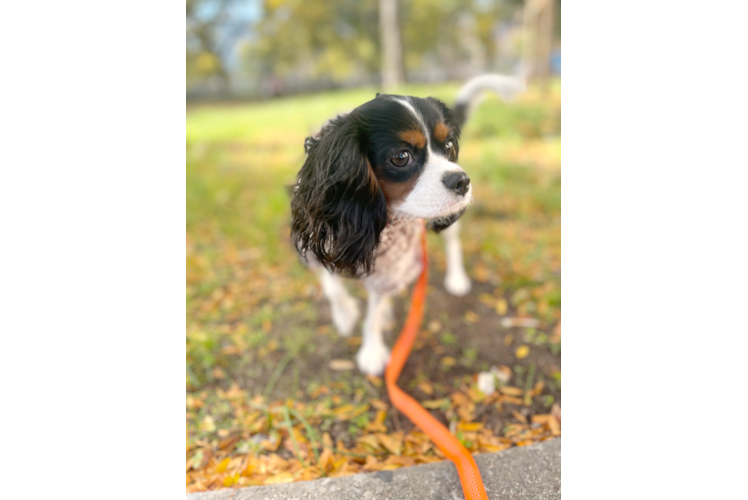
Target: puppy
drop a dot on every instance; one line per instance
(368, 179)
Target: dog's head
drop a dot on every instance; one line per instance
(392, 157)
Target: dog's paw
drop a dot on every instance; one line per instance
(372, 359)
(457, 283)
(345, 314)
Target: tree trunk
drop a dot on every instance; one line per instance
(389, 33)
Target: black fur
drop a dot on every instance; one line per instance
(439, 225)
(338, 210)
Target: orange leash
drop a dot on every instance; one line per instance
(472, 484)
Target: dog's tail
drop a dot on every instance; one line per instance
(506, 87)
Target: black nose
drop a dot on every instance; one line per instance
(458, 182)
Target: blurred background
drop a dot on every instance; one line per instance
(246, 48)
(272, 392)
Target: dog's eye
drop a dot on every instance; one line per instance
(400, 159)
(448, 145)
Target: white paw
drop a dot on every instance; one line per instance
(372, 359)
(457, 283)
(345, 315)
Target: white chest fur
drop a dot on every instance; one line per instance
(398, 258)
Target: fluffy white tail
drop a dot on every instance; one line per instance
(506, 87)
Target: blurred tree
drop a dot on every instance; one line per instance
(450, 39)
(330, 42)
(213, 27)
(391, 43)
(203, 56)
(289, 46)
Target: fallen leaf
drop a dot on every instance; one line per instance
(435, 403)
(370, 440)
(392, 442)
(541, 419)
(222, 464)
(511, 391)
(327, 440)
(343, 410)
(511, 400)
(519, 416)
(459, 399)
(501, 306)
(448, 361)
(283, 477)
(379, 404)
(554, 426)
(230, 480)
(426, 387)
(466, 413)
(471, 427)
(474, 395)
(380, 417)
(229, 443)
(325, 460)
(538, 388)
(208, 424)
(434, 326)
(522, 352)
(471, 317)
(341, 364)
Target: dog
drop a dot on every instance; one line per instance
(369, 179)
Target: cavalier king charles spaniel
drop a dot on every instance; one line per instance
(368, 179)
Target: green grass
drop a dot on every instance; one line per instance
(242, 274)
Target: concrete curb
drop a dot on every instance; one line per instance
(528, 473)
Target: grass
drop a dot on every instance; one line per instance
(240, 157)
(251, 306)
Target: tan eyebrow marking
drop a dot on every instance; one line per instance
(441, 131)
(414, 137)
(373, 182)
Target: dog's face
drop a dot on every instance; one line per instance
(393, 156)
(412, 146)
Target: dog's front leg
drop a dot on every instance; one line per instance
(456, 281)
(343, 307)
(373, 356)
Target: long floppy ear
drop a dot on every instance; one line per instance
(338, 210)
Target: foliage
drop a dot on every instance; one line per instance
(262, 357)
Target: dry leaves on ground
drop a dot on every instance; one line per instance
(279, 442)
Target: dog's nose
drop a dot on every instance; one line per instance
(458, 182)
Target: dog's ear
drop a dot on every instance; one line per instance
(451, 117)
(338, 210)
